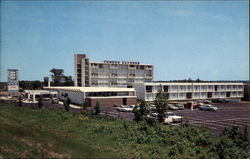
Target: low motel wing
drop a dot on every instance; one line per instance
(190, 91)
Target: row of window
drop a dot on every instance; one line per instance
(191, 95)
(107, 66)
(195, 88)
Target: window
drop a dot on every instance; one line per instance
(165, 88)
(189, 95)
(209, 94)
(149, 88)
(142, 67)
(216, 88)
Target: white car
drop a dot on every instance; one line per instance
(125, 108)
(172, 118)
(173, 107)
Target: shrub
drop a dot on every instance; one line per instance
(97, 108)
(40, 102)
(19, 101)
(67, 103)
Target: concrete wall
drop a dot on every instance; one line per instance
(140, 90)
(76, 97)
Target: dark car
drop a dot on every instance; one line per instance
(220, 100)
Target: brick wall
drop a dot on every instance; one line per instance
(110, 102)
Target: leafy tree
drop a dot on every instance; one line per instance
(68, 81)
(57, 76)
(161, 104)
(140, 111)
(137, 116)
(59, 79)
(97, 108)
(32, 85)
(40, 102)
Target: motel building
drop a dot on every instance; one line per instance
(106, 96)
(190, 91)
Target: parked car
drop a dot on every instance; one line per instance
(172, 118)
(180, 106)
(172, 107)
(55, 100)
(152, 115)
(206, 101)
(220, 100)
(46, 98)
(208, 107)
(125, 108)
(223, 100)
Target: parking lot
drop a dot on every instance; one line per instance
(227, 115)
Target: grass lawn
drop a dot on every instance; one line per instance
(40, 133)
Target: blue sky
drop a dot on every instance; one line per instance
(197, 39)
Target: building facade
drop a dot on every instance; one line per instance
(190, 91)
(106, 96)
(110, 73)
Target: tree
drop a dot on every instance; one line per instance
(140, 112)
(57, 76)
(190, 79)
(97, 108)
(161, 104)
(40, 102)
(68, 81)
(30, 85)
(59, 79)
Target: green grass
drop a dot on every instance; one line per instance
(39, 133)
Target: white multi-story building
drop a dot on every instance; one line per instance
(190, 91)
(110, 73)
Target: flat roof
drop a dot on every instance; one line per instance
(192, 83)
(94, 62)
(111, 97)
(40, 91)
(93, 89)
